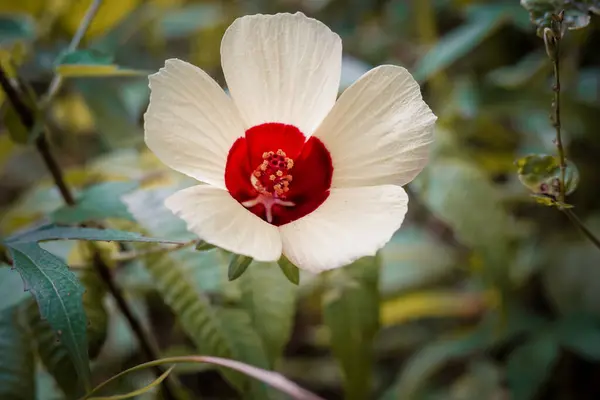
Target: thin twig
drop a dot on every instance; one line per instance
(579, 224)
(81, 30)
(132, 255)
(556, 121)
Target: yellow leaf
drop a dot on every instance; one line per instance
(435, 304)
(80, 71)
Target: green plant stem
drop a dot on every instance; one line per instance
(132, 255)
(54, 86)
(556, 122)
(579, 224)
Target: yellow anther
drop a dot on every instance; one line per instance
(257, 174)
(272, 177)
(279, 173)
(265, 155)
(280, 153)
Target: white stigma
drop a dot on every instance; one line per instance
(268, 202)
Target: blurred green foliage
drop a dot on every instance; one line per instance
(483, 293)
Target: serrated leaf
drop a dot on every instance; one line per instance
(270, 300)
(53, 232)
(351, 312)
(97, 202)
(529, 365)
(90, 63)
(198, 319)
(291, 272)
(237, 266)
(58, 294)
(51, 351)
(17, 365)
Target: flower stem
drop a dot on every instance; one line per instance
(578, 223)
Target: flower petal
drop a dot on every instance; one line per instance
(350, 224)
(379, 131)
(213, 215)
(191, 123)
(282, 68)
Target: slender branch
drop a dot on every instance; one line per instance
(552, 37)
(556, 122)
(81, 30)
(579, 224)
(132, 255)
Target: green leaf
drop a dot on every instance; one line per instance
(16, 27)
(581, 334)
(59, 296)
(291, 272)
(16, 359)
(530, 364)
(193, 310)
(417, 372)
(412, 259)
(576, 13)
(474, 213)
(460, 42)
(541, 174)
(270, 300)
(351, 312)
(11, 287)
(185, 21)
(237, 266)
(97, 202)
(51, 351)
(90, 63)
(53, 232)
(204, 246)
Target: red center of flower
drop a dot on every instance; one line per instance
(277, 174)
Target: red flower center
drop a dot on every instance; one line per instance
(277, 174)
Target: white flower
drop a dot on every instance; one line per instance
(286, 168)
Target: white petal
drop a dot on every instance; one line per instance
(191, 123)
(352, 223)
(282, 68)
(213, 215)
(379, 131)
